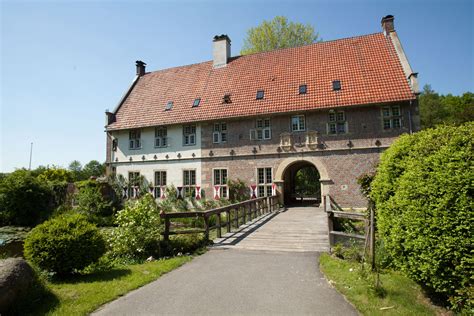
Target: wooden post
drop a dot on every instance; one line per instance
(166, 233)
(372, 236)
(330, 229)
(236, 217)
(228, 220)
(218, 222)
(206, 225)
(245, 213)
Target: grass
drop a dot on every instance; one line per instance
(397, 295)
(82, 294)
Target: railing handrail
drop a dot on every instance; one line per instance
(251, 208)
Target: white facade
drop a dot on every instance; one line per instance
(147, 159)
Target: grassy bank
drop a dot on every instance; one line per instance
(397, 295)
(83, 294)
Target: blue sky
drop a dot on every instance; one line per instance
(64, 62)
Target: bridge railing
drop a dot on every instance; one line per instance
(334, 211)
(235, 215)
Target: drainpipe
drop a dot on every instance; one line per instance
(409, 117)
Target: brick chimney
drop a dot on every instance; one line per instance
(140, 68)
(387, 24)
(221, 50)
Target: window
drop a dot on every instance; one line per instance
(133, 184)
(391, 117)
(226, 99)
(134, 139)
(219, 134)
(262, 131)
(260, 94)
(337, 123)
(196, 102)
(303, 89)
(189, 183)
(160, 136)
(160, 183)
(336, 85)
(169, 106)
(189, 135)
(220, 180)
(264, 176)
(298, 123)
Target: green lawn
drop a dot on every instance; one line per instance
(402, 296)
(83, 294)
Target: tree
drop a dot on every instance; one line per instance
(438, 109)
(93, 169)
(277, 33)
(76, 168)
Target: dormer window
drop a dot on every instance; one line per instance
(196, 102)
(260, 94)
(336, 85)
(226, 99)
(169, 106)
(303, 89)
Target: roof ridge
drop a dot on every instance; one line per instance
(267, 52)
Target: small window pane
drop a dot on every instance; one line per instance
(386, 124)
(268, 175)
(223, 137)
(332, 128)
(303, 89)
(395, 111)
(332, 117)
(302, 123)
(340, 116)
(261, 175)
(386, 112)
(266, 133)
(336, 85)
(396, 123)
(341, 128)
(259, 123)
(217, 127)
(260, 94)
(267, 123)
(169, 106)
(196, 102)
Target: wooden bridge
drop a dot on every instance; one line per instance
(261, 224)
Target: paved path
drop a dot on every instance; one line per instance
(298, 229)
(270, 267)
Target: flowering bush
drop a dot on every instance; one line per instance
(139, 229)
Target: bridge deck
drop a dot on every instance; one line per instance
(298, 229)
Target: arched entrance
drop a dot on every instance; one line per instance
(301, 184)
(298, 178)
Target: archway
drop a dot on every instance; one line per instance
(301, 184)
(293, 176)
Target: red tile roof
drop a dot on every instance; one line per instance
(367, 66)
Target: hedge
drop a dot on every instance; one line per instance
(423, 195)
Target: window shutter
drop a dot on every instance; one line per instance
(216, 137)
(253, 134)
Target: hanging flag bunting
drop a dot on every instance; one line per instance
(163, 192)
(198, 193)
(179, 192)
(125, 193)
(253, 191)
(151, 189)
(217, 193)
(274, 189)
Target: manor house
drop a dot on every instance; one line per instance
(332, 105)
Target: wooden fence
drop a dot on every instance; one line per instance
(334, 211)
(237, 214)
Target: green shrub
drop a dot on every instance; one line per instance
(423, 194)
(92, 202)
(24, 200)
(238, 190)
(139, 229)
(183, 244)
(64, 244)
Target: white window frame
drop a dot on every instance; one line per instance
(389, 117)
(134, 139)
(335, 121)
(161, 136)
(299, 122)
(219, 134)
(222, 182)
(189, 137)
(189, 186)
(262, 130)
(161, 184)
(132, 175)
(265, 185)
